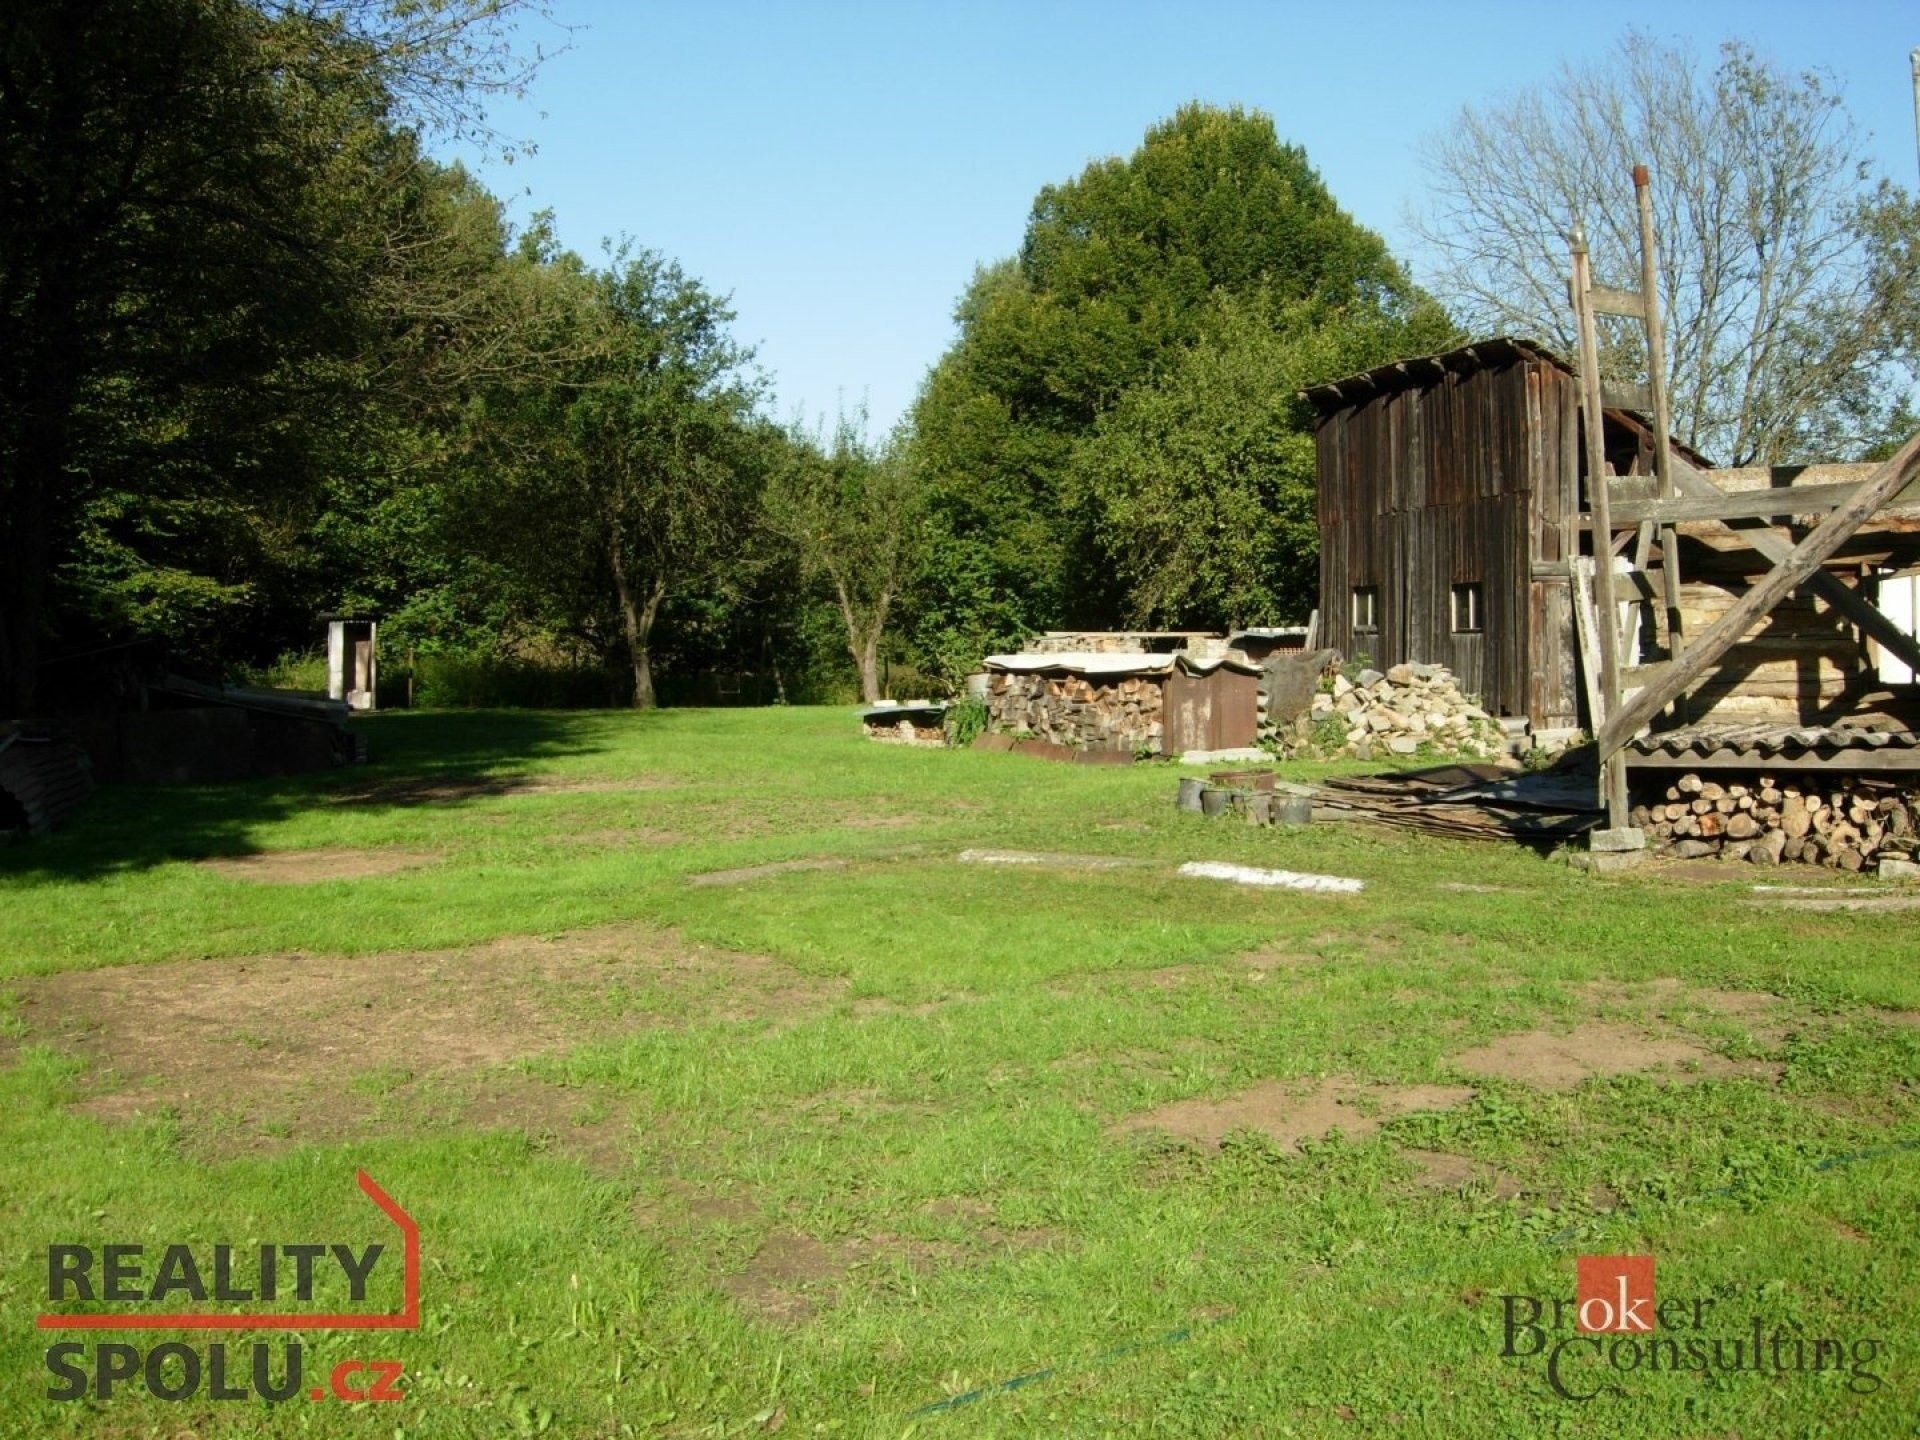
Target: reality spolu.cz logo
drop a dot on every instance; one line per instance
(1616, 1327)
(257, 1276)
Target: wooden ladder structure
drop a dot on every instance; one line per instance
(1589, 302)
(1628, 698)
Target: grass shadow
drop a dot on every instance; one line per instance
(418, 758)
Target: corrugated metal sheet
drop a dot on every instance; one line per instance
(1769, 740)
(1119, 662)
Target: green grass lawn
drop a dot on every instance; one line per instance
(868, 1147)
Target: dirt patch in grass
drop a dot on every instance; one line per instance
(780, 1284)
(616, 839)
(1672, 999)
(304, 1048)
(1547, 1060)
(750, 873)
(869, 1007)
(435, 790)
(1289, 1114)
(791, 1273)
(311, 867)
(975, 1216)
(550, 1116)
(682, 1205)
(1901, 1017)
(1439, 1170)
(880, 822)
(1051, 860)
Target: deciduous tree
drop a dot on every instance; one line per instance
(1780, 326)
(854, 513)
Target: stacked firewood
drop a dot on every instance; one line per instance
(1106, 714)
(1844, 823)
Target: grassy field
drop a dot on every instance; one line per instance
(729, 1101)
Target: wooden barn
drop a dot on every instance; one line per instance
(1457, 525)
(1449, 505)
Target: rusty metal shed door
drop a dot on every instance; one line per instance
(1220, 711)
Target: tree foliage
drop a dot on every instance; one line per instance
(854, 514)
(1200, 484)
(260, 356)
(640, 462)
(1109, 323)
(1781, 281)
(205, 208)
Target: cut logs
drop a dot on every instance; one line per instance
(1843, 823)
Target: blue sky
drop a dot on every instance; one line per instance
(840, 168)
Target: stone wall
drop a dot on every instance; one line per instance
(1106, 713)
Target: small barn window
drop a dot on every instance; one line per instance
(1366, 609)
(1468, 608)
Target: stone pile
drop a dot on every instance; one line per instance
(1405, 710)
(1843, 823)
(1093, 714)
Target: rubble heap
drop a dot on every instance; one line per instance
(1844, 823)
(1404, 710)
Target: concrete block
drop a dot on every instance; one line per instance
(1619, 841)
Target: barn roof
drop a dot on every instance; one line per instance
(1491, 354)
(1425, 369)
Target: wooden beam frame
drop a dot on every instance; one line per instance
(1791, 570)
(1836, 592)
(1613, 772)
(1630, 509)
(1663, 456)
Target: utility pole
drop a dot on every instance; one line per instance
(1913, 58)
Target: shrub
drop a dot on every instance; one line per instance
(965, 721)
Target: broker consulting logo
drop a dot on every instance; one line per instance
(262, 1284)
(1616, 1331)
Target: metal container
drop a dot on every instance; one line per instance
(1214, 800)
(1293, 809)
(1189, 796)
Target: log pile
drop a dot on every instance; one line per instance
(1843, 823)
(1406, 710)
(1122, 713)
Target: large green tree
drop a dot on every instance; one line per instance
(633, 476)
(202, 205)
(1199, 484)
(854, 514)
(1123, 271)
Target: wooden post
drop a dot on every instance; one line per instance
(1662, 418)
(1613, 770)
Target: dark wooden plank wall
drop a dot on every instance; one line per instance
(1454, 480)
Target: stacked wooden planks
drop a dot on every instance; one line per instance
(43, 779)
(1467, 802)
